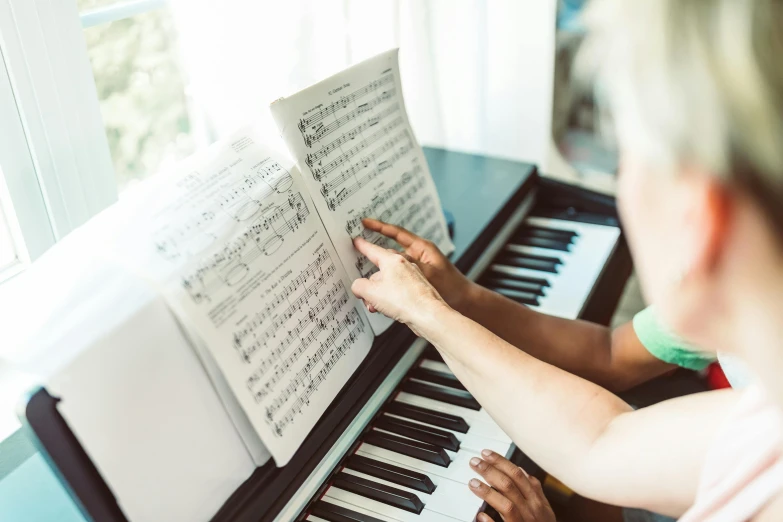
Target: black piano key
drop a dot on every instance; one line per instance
(548, 259)
(444, 439)
(524, 298)
(412, 448)
(332, 513)
(551, 244)
(443, 394)
(432, 354)
(445, 379)
(392, 496)
(494, 272)
(513, 284)
(436, 418)
(391, 473)
(520, 261)
(548, 233)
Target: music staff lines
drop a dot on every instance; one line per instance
(310, 272)
(241, 202)
(368, 160)
(344, 101)
(261, 394)
(381, 200)
(282, 318)
(320, 130)
(355, 326)
(320, 172)
(246, 197)
(423, 212)
(332, 202)
(230, 265)
(313, 158)
(293, 335)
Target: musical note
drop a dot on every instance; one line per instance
(371, 158)
(312, 159)
(344, 101)
(354, 324)
(411, 182)
(336, 299)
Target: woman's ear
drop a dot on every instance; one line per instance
(711, 217)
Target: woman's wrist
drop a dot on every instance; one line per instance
(467, 298)
(431, 318)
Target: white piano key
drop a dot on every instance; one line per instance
(500, 269)
(313, 518)
(449, 497)
(480, 420)
(458, 471)
(435, 366)
(384, 511)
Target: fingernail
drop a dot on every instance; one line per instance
(486, 453)
(474, 483)
(475, 461)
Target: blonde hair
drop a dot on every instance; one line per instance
(694, 82)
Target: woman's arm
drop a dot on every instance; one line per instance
(576, 430)
(579, 432)
(615, 359)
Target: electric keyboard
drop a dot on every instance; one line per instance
(395, 443)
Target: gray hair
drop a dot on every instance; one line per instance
(695, 82)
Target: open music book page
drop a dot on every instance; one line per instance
(237, 248)
(359, 158)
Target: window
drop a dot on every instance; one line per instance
(141, 85)
(8, 255)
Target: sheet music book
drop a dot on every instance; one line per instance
(253, 252)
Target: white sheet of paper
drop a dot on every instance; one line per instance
(141, 405)
(235, 244)
(133, 391)
(359, 158)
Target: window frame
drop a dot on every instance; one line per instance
(52, 85)
(21, 197)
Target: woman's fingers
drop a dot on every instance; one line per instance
(377, 255)
(533, 505)
(504, 506)
(414, 245)
(399, 234)
(498, 480)
(513, 472)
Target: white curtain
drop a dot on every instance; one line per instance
(477, 75)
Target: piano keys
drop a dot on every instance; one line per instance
(411, 464)
(551, 265)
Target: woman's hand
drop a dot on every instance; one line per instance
(439, 271)
(515, 495)
(398, 290)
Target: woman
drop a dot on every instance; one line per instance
(695, 90)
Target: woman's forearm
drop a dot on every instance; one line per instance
(615, 359)
(553, 415)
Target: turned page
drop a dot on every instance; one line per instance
(238, 250)
(359, 158)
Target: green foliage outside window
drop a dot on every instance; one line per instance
(141, 88)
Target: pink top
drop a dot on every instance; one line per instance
(744, 469)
